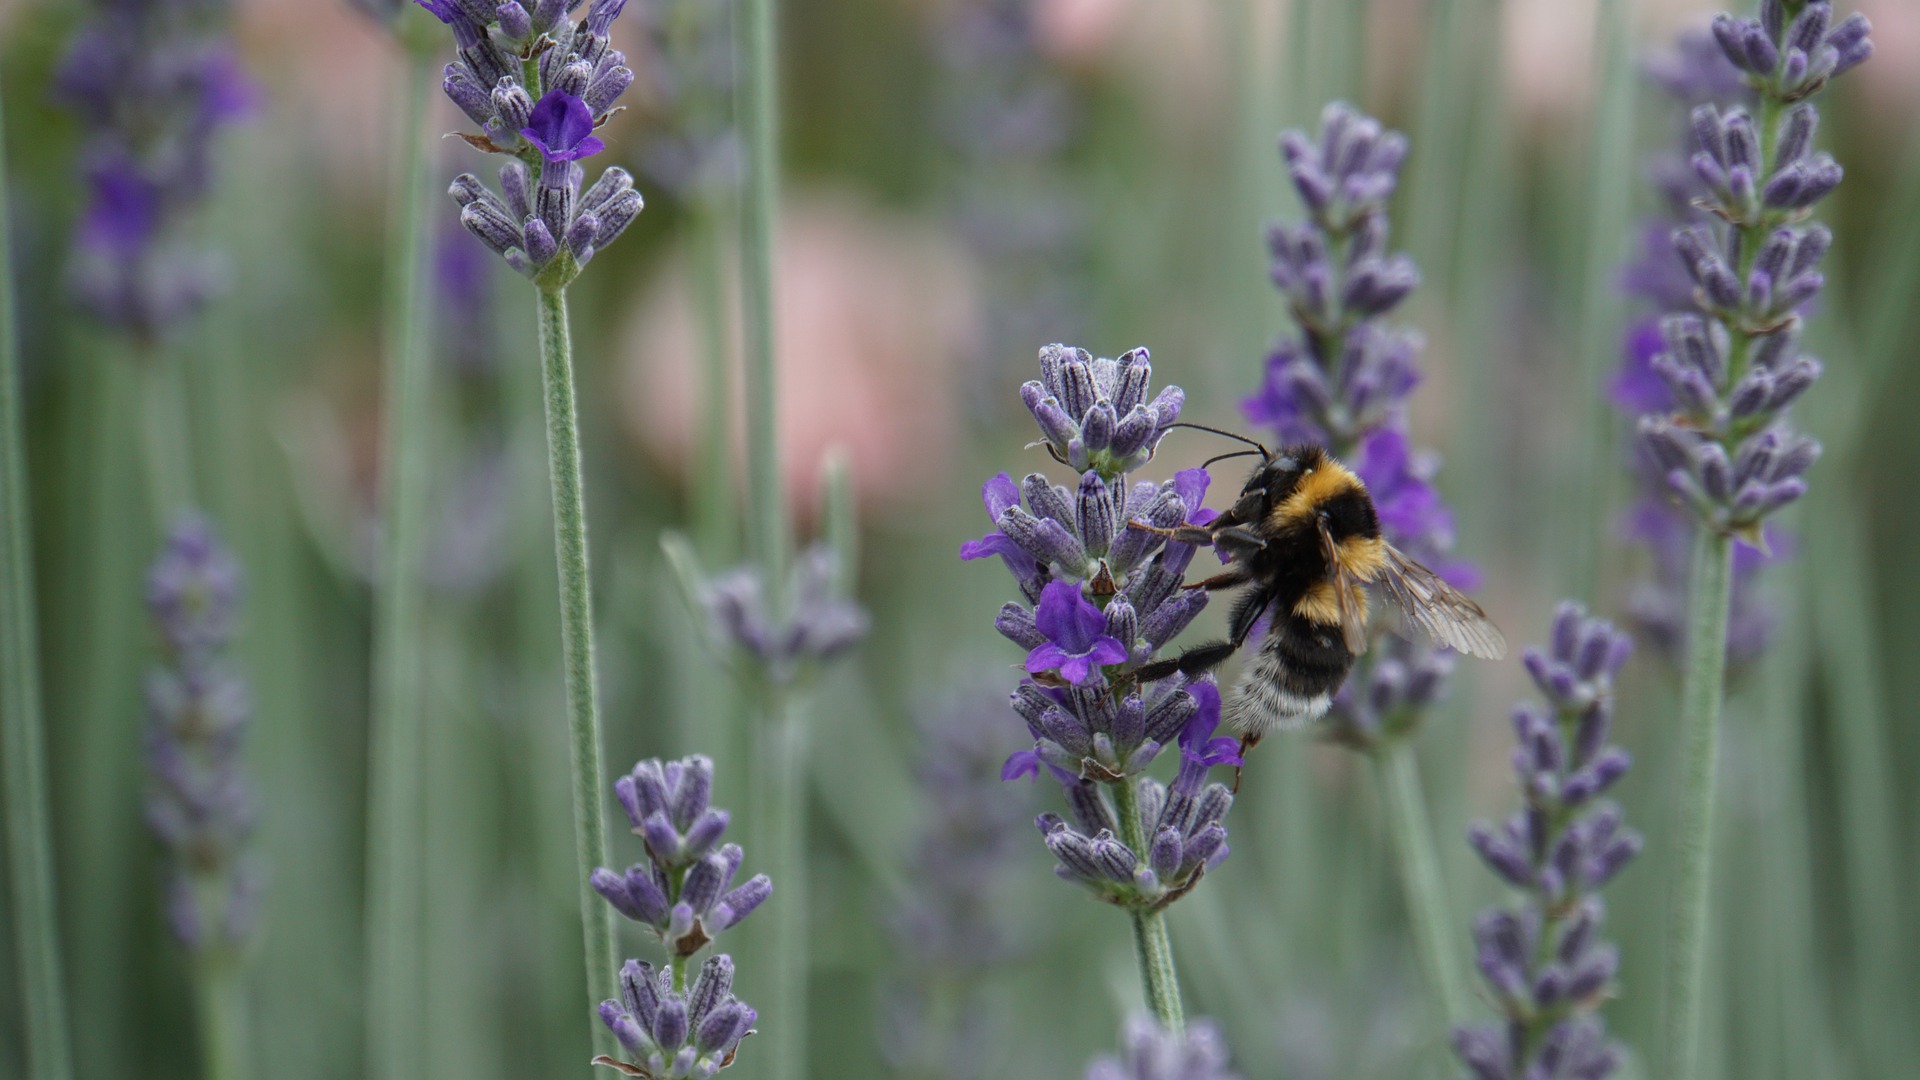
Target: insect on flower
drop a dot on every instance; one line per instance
(1305, 538)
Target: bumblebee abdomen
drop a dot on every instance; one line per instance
(1291, 681)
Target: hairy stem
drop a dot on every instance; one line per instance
(1428, 912)
(23, 761)
(1700, 700)
(396, 814)
(1159, 980)
(576, 640)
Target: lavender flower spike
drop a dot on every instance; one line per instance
(153, 87)
(1715, 395)
(1097, 599)
(543, 114)
(201, 804)
(1544, 963)
(685, 890)
(819, 625)
(1151, 1052)
(1344, 377)
(676, 1034)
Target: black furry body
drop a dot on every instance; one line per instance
(1297, 513)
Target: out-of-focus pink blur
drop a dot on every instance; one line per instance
(873, 311)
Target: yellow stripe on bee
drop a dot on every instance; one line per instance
(1362, 556)
(1319, 605)
(1321, 484)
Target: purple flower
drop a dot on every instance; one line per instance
(561, 127)
(1544, 961)
(153, 93)
(1197, 741)
(677, 1033)
(200, 802)
(1077, 641)
(1154, 1053)
(685, 890)
(1343, 377)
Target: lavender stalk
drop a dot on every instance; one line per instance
(766, 521)
(685, 895)
(1104, 599)
(1344, 379)
(396, 902)
(24, 775)
(539, 84)
(201, 805)
(1545, 965)
(1734, 367)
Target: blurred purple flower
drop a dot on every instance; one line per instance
(153, 84)
(1343, 377)
(200, 802)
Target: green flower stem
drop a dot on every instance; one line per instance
(1703, 689)
(714, 524)
(169, 457)
(779, 823)
(220, 1002)
(1426, 897)
(576, 639)
(23, 759)
(396, 814)
(1158, 978)
(759, 122)
(1700, 700)
(779, 772)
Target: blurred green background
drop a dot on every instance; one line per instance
(1528, 120)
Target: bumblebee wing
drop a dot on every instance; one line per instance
(1447, 615)
(1346, 591)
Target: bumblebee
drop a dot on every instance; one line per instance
(1304, 541)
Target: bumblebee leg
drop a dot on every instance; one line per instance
(1235, 574)
(1185, 534)
(1246, 612)
(1194, 662)
(1247, 742)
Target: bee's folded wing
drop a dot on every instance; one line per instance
(1447, 615)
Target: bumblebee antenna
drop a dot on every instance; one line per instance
(1227, 434)
(1233, 454)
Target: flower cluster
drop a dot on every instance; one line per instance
(1154, 1053)
(1726, 269)
(201, 804)
(1094, 413)
(685, 889)
(539, 84)
(954, 924)
(1181, 824)
(677, 1034)
(1544, 962)
(820, 622)
(685, 893)
(1731, 364)
(1102, 598)
(1343, 379)
(688, 74)
(154, 82)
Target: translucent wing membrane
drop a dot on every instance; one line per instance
(1446, 614)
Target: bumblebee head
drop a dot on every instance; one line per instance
(1279, 476)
